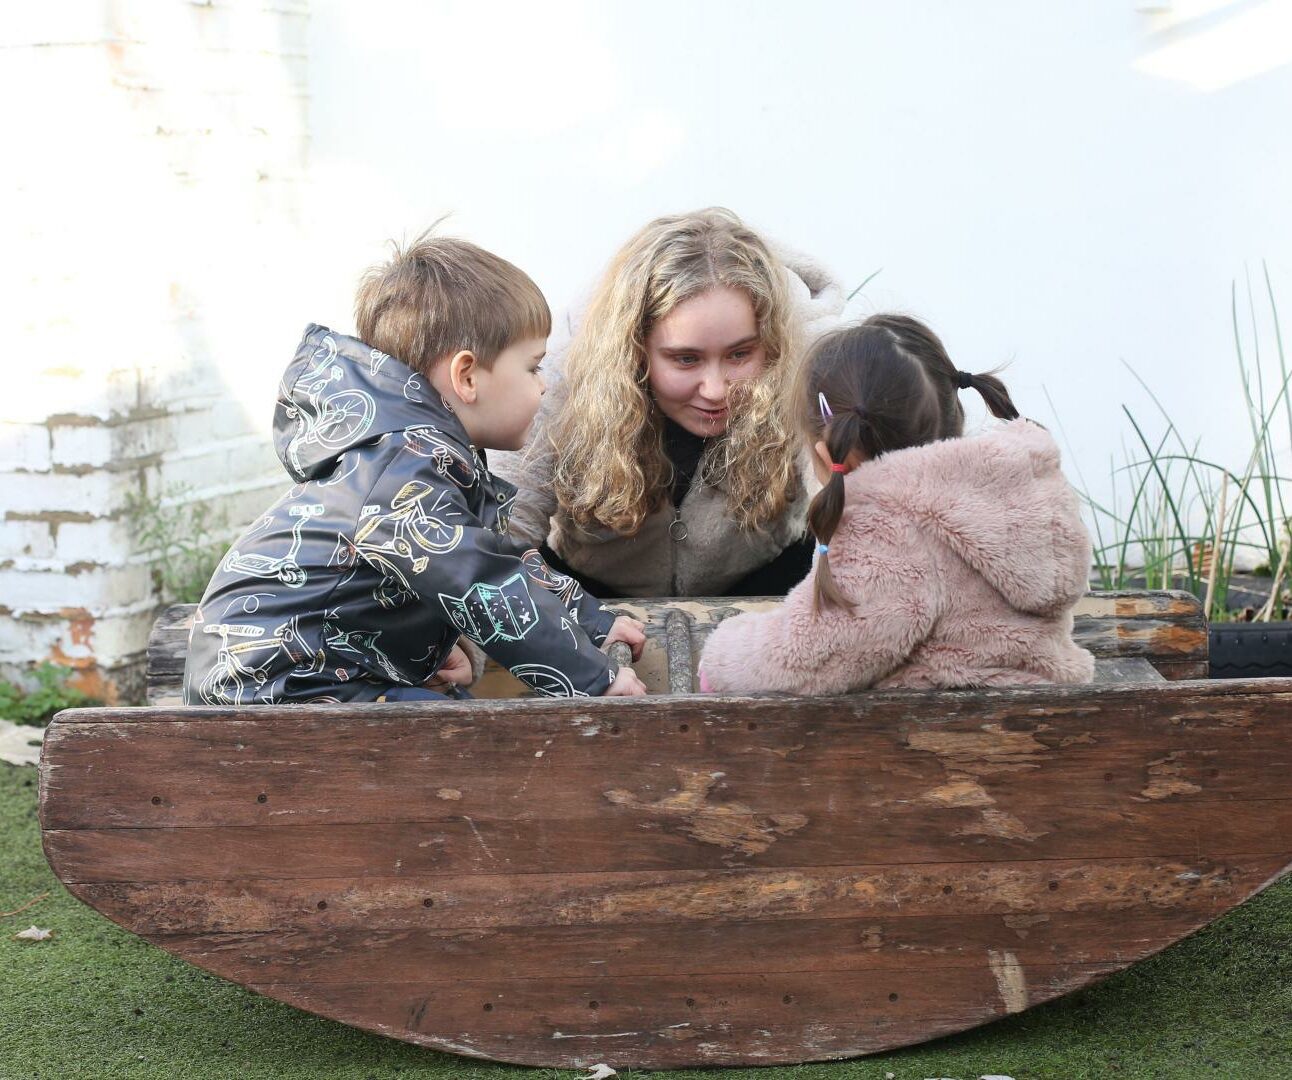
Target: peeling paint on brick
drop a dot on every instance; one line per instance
(81, 629)
(132, 385)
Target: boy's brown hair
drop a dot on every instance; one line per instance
(439, 296)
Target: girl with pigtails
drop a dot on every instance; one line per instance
(942, 561)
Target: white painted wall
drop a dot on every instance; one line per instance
(149, 209)
(1063, 186)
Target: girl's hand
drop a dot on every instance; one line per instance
(631, 632)
(456, 669)
(705, 687)
(626, 684)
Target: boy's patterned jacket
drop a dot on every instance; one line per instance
(391, 543)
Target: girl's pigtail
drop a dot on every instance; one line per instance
(841, 435)
(993, 394)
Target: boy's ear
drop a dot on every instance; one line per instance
(463, 375)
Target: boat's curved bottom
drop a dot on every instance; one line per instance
(684, 881)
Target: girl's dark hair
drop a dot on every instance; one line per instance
(889, 384)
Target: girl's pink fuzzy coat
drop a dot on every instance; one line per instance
(964, 557)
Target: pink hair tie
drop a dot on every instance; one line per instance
(838, 468)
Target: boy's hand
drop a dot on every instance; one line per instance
(626, 684)
(456, 669)
(628, 630)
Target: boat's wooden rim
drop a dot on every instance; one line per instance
(711, 704)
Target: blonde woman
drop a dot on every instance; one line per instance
(664, 461)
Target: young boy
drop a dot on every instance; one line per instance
(356, 584)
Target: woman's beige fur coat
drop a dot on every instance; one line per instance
(964, 559)
(716, 552)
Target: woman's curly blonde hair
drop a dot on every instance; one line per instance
(607, 436)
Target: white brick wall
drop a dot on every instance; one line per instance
(34, 493)
(93, 541)
(149, 247)
(42, 586)
(24, 447)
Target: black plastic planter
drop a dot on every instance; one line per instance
(1250, 650)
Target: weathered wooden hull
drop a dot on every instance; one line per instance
(683, 880)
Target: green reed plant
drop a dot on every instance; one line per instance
(1176, 517)
(182, 537)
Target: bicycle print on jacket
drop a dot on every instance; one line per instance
(391, 542)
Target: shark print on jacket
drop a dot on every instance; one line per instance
(390, 544)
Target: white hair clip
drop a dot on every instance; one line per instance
(826, 411)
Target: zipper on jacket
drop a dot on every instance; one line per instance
(677, 532)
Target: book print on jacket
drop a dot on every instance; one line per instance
(488, 613)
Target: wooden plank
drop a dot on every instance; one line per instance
(1030, 891)
(1174, 671)
(699, 1019)
(585, 710)
(224, 777)
(167, 649)
(1166, 628)
(878, 947)
(636, 842)
(1115, 669)
(451, 764)
(454, 787)
(1153, 768)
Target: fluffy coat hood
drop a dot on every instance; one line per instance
(962, 560)
(998, 500)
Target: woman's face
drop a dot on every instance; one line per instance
(697, 351)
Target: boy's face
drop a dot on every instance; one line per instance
(508, 395)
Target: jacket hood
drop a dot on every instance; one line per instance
(338, 393)
(815, 293)
(998, 500)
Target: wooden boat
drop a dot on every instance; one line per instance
(682, 879)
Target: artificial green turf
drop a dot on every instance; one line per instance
(98, 1002)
